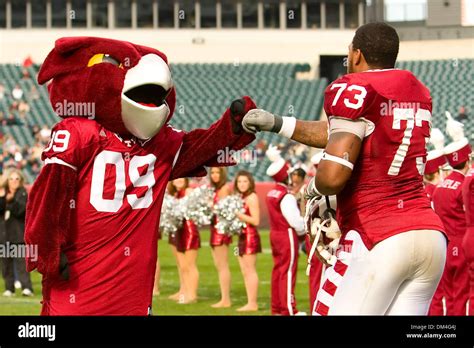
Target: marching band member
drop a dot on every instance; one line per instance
(435, 161)
(219, 241)
(315, 266)
(433, 175)
(468, 240)
(249, 239)
(286, 224)
(448, 204)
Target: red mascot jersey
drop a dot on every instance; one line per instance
(385, 195)
(120, 184)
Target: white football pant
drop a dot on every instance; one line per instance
(397, 277)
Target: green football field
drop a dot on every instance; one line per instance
(208, 285)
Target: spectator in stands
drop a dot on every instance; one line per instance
(23, 109)
(33, 94)
(25, 74)
(44, 134)
(261, 149)
(17, 92)
(11, 120)
(462, 116)
(13, 199)
(2, 91)
(35, 169)
(14, 106)
(28, 62)
(35, 129)
(35, 151)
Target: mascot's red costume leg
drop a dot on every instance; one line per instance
(94, 210)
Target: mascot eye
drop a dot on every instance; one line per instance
(103, 58)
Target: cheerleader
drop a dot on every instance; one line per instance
(249, 239)
(172, 242)
(187, 245)
(220, 242)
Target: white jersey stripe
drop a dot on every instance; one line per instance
(58, 161)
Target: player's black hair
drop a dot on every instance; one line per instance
(299, 172)
(379, 43)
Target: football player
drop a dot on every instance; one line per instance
(393, 248)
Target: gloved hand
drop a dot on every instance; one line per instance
(310, 191)
(63, 266)
(257, 120)
(237, 112)
(273, 153)
(329, 229)
(321, 226)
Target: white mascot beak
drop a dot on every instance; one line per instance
(146, 86)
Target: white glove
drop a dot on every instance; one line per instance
(317, 228)
(326, 253)
(311, 191)
(273, 153)
(257, 120)
(454, 128)
(437, 139)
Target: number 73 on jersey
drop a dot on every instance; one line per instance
(413, 119)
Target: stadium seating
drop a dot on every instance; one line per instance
(205, 90)
(450, 83)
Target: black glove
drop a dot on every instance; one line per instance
(63, 266)
(237, 112)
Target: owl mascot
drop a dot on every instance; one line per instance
(93, 212)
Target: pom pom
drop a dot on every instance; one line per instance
(227, 220)
(172, 215)
(199, 206)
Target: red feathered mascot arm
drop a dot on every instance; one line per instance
(51, 202)
(201, 146)
(48, 215)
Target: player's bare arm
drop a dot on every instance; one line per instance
(335, 168)
(311, 133)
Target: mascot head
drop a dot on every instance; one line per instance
(128, 86)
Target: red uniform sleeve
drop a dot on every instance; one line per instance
(46, 229)
(350, 97)
(206, 147)
(72, 142)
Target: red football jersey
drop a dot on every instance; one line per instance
(121, 184)
(385, 194)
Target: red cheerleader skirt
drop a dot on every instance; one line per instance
(249, 241)
(218, 239)
(187, 237)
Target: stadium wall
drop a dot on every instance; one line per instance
(227, 46)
